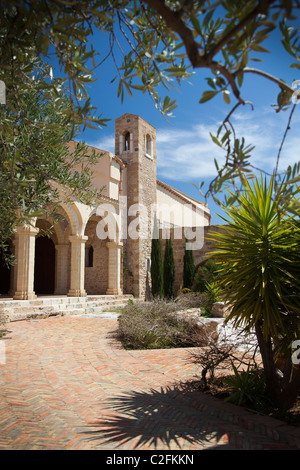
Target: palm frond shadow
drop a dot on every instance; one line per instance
(166, 417)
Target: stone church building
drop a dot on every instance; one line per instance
(106, 249)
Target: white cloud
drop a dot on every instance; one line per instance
(107, 143)
(188, 155)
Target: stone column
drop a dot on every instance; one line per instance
(61, 269)
(114, 268)
(24, 269)
(77, 266)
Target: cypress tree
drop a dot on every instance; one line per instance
(188, 269)
(169, 270)
(157, 286)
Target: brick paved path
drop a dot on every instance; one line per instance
(66, 384)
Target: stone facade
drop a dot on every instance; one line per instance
(134, 137)
(200, 255)
(96, 262)
(106, 249)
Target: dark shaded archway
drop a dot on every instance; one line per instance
(44, 270)
(5, 274)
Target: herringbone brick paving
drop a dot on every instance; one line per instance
(66, 384)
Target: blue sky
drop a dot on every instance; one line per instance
(185, 151)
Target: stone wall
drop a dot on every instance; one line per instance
(96, 276)
(200, 255)
(139, 187)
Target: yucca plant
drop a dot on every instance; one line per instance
(259, 270)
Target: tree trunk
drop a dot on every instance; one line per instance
(266, 351)
(282, 391)
(289, 393)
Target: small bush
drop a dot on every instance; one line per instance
(169, 271)
(154, 325)
(188, 269)
(205, 275)
(157, 274)
(247, 388)
(3, 331)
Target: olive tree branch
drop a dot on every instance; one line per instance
(175, 22)
(284, 137)
(279, 82)
(260, 8)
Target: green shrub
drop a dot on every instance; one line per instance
(185, 290)
(188, 269)
(157, 275)
(205, 275)
(212, 295)
(169, 271)
(247, 388)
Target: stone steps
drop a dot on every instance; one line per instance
(15, 310)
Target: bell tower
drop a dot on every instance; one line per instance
(135, 145)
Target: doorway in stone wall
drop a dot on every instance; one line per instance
(44, 270)
(5, 274)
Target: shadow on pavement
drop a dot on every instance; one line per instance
(161, 419)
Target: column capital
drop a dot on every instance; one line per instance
(25, 229)
(114, 244)
(78, 238)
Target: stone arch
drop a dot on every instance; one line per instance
(96, 273)
(46, 228)
(126, 141)
(59, 261)
(148, 145)
(102, 231)
(45, 256)
(74, 217)
(108, 227)
(44, 268)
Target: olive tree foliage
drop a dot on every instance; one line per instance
(36, 164)
(46, 48)
(40, 114)
(167, 41)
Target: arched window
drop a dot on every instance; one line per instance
(89, 257)
(127, 141)
(148, 146)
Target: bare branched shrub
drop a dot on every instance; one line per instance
(218, 357)
(191, 300)
(3, 321)
(156, 325)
